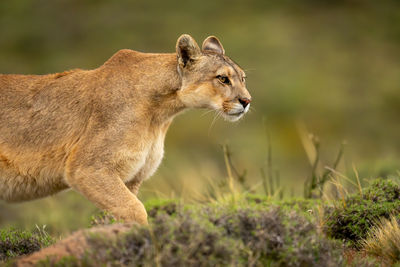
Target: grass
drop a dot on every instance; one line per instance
(14, 242)
(384, 240)
(252, 230)
(230, 224)
(244, 234)
(58, 212)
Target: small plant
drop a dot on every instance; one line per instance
(314, 186)
(15, 242)
(270, 178)
(352, 219)
(231, 169)
(384, 240)
(102, 218)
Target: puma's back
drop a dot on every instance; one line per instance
(40, 111)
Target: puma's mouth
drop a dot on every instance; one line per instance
(235, 113)
(233, 116)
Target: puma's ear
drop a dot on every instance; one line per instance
(211, 43)
(187, 50)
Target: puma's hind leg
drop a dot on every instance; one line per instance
(134, 186)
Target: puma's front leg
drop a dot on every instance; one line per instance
(101, 183)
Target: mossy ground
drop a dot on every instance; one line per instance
(249, 231)
(245, 233)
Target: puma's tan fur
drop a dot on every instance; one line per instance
(101, 131)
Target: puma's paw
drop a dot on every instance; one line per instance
(140, 214)
(135, 212)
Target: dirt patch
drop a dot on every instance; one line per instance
(75, 245)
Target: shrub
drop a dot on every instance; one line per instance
(382, 191)
(352, 220)
(14, 242)
(220, 235)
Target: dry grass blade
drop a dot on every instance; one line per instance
(341, 175)
(340, 188)
(384, 240)
(307, 142)
(241, 177)
(229, 171)
(358, 179)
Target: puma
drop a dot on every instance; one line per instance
(101, 132)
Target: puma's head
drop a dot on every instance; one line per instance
(210, 79)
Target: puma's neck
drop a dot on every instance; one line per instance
(156, 81)
(164, 102)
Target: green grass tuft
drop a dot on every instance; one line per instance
(15, 242)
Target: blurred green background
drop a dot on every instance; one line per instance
(330, 68)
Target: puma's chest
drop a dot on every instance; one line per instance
(144, 163)
(153, 158)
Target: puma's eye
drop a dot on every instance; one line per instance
(223, 79)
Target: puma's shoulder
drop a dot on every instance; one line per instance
(124, 57)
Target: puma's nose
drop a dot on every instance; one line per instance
(244, 102)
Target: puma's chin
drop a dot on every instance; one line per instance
(232, 117)
(235, 113)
